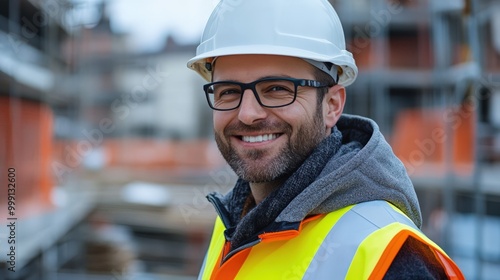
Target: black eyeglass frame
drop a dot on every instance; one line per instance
(251, 86)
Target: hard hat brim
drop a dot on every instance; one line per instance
(347, 63)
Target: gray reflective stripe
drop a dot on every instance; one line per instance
(334, 256)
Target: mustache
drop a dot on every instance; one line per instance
(239, 127)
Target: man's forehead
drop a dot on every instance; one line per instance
(259, 64)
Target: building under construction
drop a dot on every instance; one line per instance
(112, 174)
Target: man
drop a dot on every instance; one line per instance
(320, 195)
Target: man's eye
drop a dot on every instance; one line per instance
(227, 92)
(278, 88)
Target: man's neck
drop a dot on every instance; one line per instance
(261, 190)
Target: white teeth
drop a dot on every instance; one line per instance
(260, 138)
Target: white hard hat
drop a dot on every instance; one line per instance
(308, 29)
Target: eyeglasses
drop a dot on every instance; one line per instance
(269, 92)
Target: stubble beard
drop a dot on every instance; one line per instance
(250, 167)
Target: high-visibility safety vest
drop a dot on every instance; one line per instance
(356, 242)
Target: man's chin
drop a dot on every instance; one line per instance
(259, 171)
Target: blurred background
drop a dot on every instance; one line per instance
(109, 137)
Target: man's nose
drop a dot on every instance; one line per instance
(250, 110)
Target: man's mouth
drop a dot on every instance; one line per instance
(259, 138)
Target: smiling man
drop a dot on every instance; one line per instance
(320, 194)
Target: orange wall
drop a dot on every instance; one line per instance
(26, 129)
(423, 137)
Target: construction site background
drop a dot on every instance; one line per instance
(109, 138)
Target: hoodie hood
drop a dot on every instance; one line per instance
(364, 169)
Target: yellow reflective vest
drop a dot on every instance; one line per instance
(356, 242)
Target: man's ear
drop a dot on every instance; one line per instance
(333, 105)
